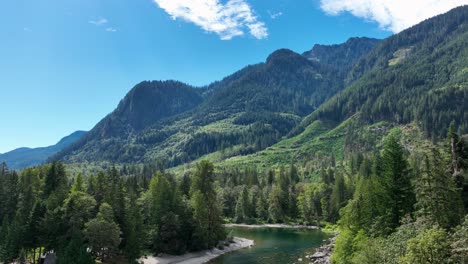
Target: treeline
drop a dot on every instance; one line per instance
(281, 196)
(105, 215)
(407, 207)
(398, 204)
(262, 130)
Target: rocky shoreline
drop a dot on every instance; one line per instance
(322, 254)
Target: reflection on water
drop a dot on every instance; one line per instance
(273, 245)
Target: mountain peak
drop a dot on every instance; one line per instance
(286, 57)
(150, 101)
(342, 54)
(68, 140)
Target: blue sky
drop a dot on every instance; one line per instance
(65, 64)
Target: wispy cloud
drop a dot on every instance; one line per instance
(392, 15)
(99, 22)
(228, 20)
(111, 29)
(274, 15)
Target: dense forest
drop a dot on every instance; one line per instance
(396, 205)
(105, 215)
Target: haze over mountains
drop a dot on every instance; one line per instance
(261, 104)
(25, 157)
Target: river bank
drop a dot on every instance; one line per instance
(201, 256)
(323, 254)
(274, 226)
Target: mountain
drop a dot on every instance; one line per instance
(25, 157)
(326, 102)
(243, 113)
(419, 75)
(342, 56)
(416, 80)
(146, 104)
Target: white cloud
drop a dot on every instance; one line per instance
(393, 15)
(26, 29)
(274, 15)
(99, 22)
(228, 19)
(111, 29)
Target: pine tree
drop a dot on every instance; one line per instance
(261, 207)
(437, 196)
(397, 181)
(134, 231)
(78, 185)
(275, 208)
(206, 213)
(75, 252)
(242, 206)
(338, 196)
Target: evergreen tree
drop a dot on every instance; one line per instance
(75, 252)
(185, 184)
(206, 213)
(437, 196)
(242, 206)
(397, 181)
(134, 232)
(275, 208)
(338, 196)
(459, 243)
(78, 185)
(261, 207)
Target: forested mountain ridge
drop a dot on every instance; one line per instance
(25, 157)
(424, 86)
(146, 104)
(245, 112)
(417, 76)
(342, 56)
(420, 74)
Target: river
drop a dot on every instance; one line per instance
(272, 245)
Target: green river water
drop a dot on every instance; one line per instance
(273, 245)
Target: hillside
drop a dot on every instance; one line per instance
(330, 100)
(249, 110)
(26, 157)
(417, 77)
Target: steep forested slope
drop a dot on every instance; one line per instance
(245, 112)
(146, 104)
(418, 75)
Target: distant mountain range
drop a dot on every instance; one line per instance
(296, 101)
(25, 157)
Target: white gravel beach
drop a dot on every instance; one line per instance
(273, 226)
(199, 257)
